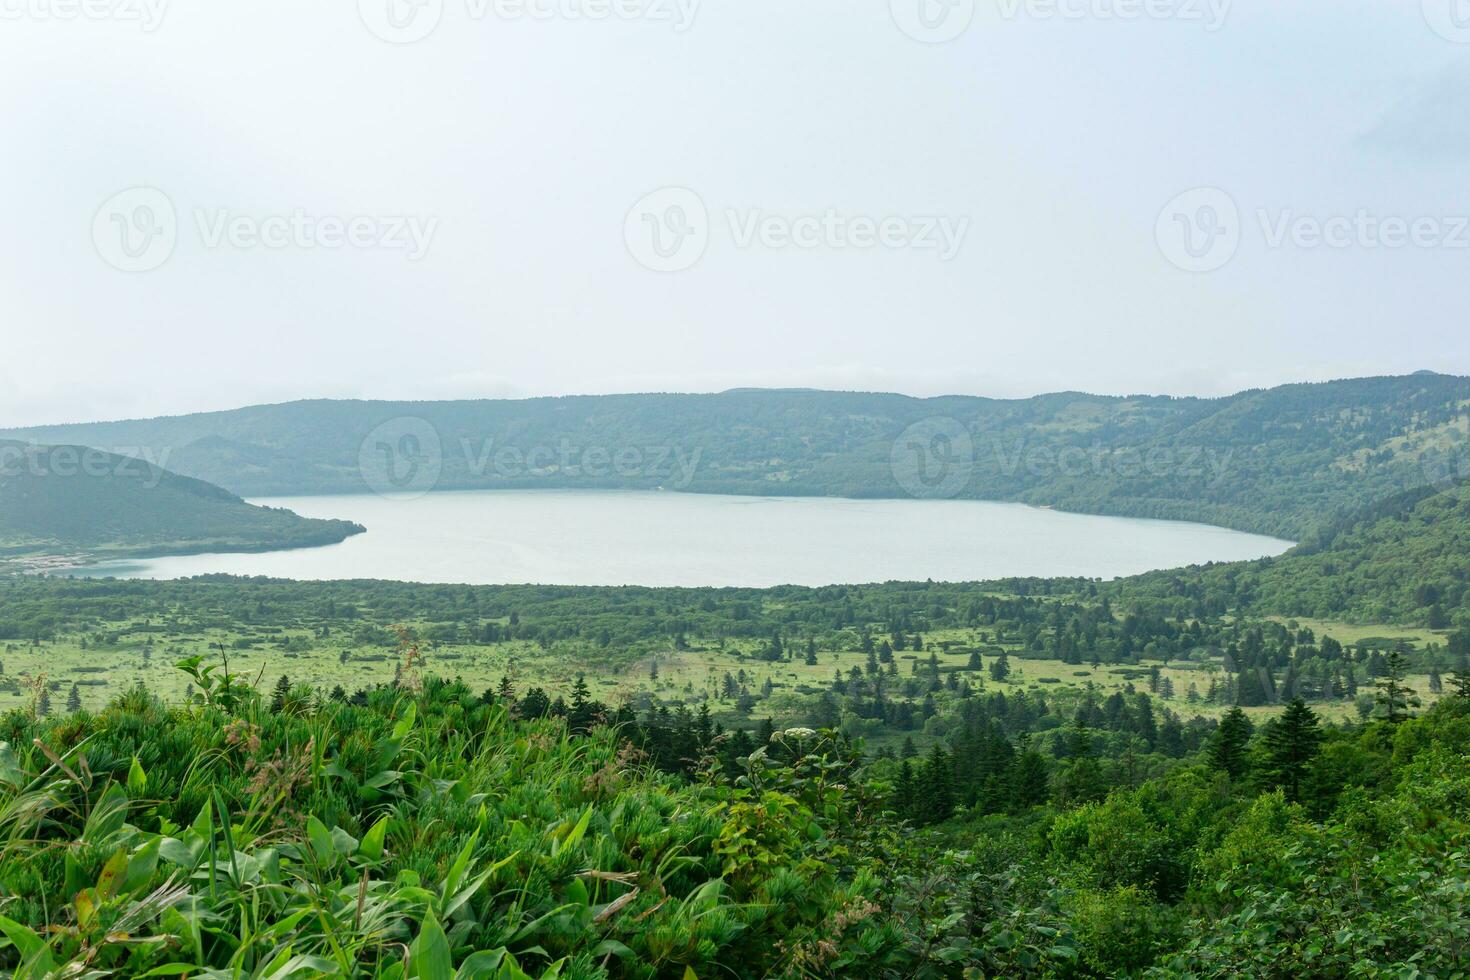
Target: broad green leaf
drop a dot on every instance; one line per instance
(10, 770)
(113, 873)
(320, 837)
(23, 938)
(405, 724)
(171, 970)
(461, 865)
(429, 954)
(137, 778)
(141, 866)
(86, 908)
(579, 831)
(373, 841)
(482, 965)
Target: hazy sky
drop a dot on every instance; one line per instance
(213, 204)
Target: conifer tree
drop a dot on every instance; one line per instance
(903, 791)
(1027, 780)
(1460, 684)
(1291, 742)
(74, 699)
(1393, 697)
(1227, 749)
(279, 693)
(936, 790)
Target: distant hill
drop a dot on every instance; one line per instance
(1281, 461)
(66, 500)
(1404, 559)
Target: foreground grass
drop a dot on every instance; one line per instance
(426, 835)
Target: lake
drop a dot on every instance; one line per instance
(629, 538)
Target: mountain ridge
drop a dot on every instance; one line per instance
(1290, 458)
(82, 502)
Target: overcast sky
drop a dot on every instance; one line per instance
(215, 204)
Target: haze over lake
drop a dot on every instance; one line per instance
(628, 538)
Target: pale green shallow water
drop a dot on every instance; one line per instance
(623, 538)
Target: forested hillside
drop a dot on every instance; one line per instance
(1276, 461)
(1405, 559)
(67, 500)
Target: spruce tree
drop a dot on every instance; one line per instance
(1393, 697)
(1227, 748)
(1027, 780)
(936, 790)
(279, 694)
(1171, 737)
(1291, 742)
(74, 699)
(903, 791)
(1460, 684)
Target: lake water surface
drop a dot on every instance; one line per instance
(625, 538)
